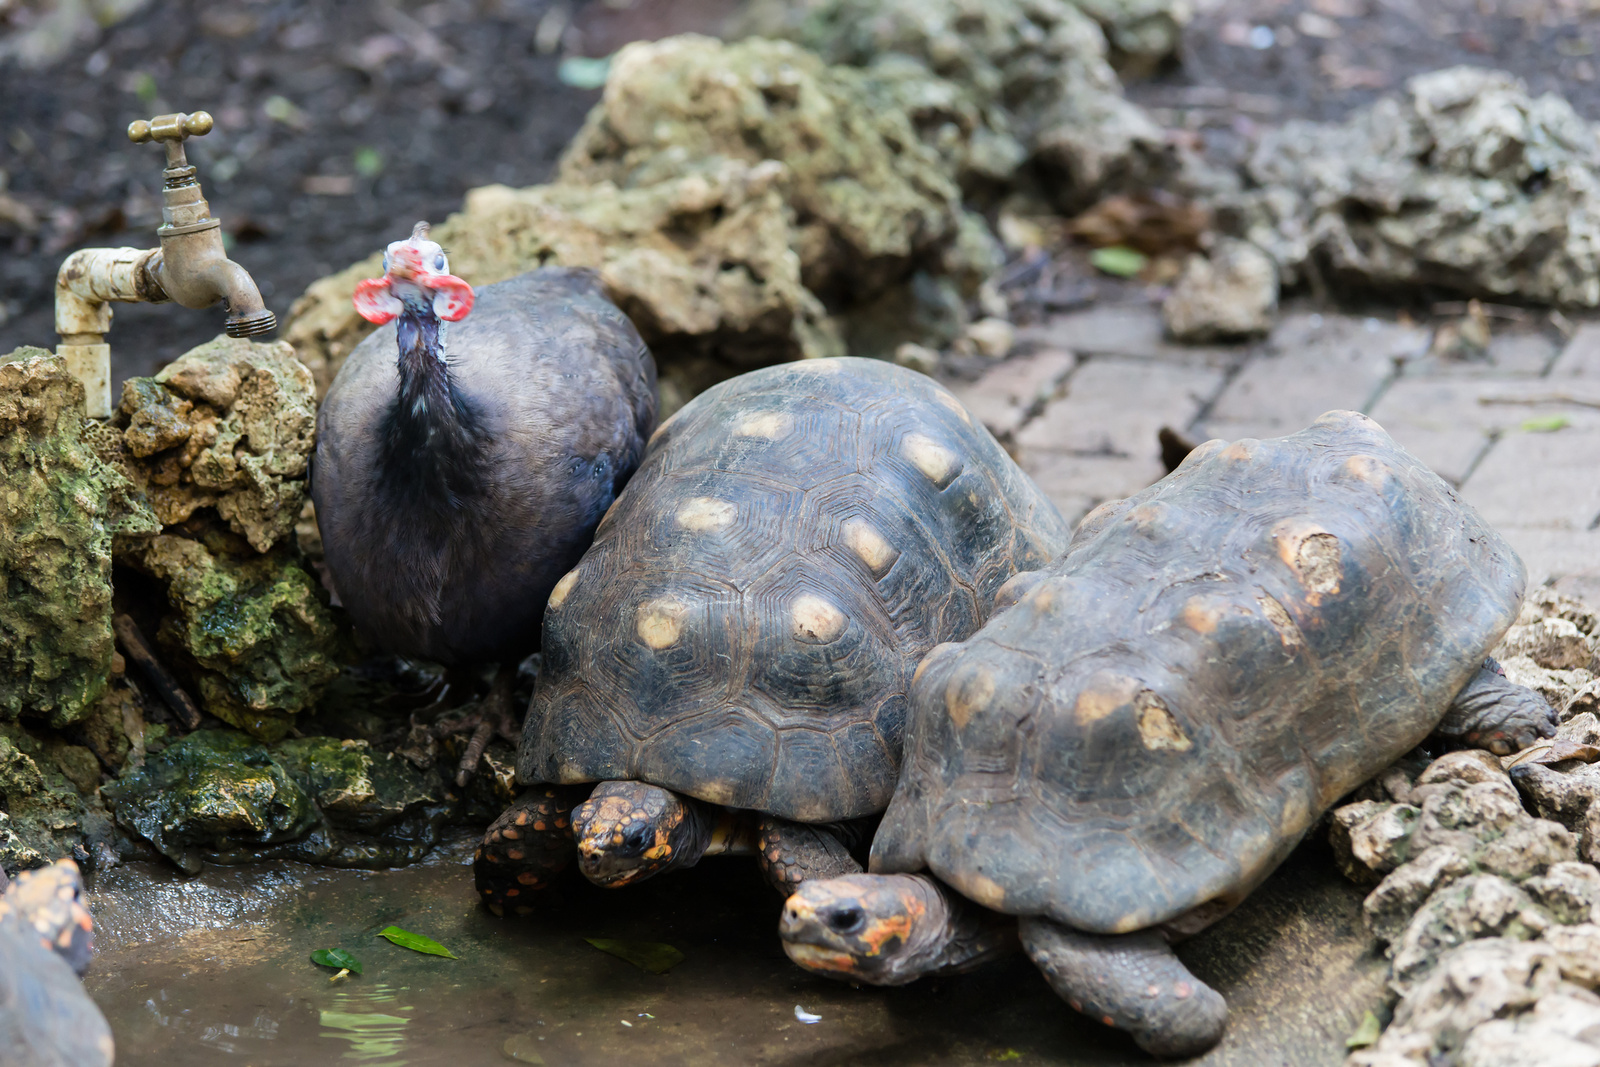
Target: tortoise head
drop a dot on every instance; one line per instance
(630, 831)
(48, 902)
(880, 929)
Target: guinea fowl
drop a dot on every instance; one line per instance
(463, 462)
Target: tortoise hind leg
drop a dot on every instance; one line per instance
(1133, 982)
(1495, 713)
(526, 848)
(792, 853)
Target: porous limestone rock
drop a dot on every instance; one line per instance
(1034, 71)
(1466, 182)
(229, 425)
(725, 194)
(43, 817)
(252, 631)
(61, 506)
(1228, 294)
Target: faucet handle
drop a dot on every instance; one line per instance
(171, 127)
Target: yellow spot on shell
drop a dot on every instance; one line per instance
(967, 694)
(937, 463)
(1104, 693)
(1368, 469)
(1239, 452)
(815, 620)
(984, 890)
(1158, 727)
(769, 424)
(879, 555)
(1281, 621)
(1201, 616)
(825, 365)
(660, 621)
(944, 397)
(703, 514)
(558, 595)
(936, 650)
(1313, 554)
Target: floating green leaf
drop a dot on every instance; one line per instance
(1118, 260)
(650, 956)
(1006, 1056)
(337, 958)
(368, 161)
(581, 72)
(1366, 1034)
(1546, 424)
(416, 942)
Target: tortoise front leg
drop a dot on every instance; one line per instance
(792, 853)
(1495, 713)
(1133, 982)
(526, 848)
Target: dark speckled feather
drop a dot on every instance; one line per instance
(453, 493)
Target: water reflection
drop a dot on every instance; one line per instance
(375, 1037)
(221, 1037)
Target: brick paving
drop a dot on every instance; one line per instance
(1517, 429)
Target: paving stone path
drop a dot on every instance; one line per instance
(1518, 432)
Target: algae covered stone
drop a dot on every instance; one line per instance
(212, 791)
(222, 796)
(61, 505)
(229, 425)
(42, 815)
(252, 630)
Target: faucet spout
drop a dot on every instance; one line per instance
(195, 272)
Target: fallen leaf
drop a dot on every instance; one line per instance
(1366, 1034)
(1546, 424)
(805, 1016)
(416, 942)
(650, 956)
(1562, 750)
(580, 72)
(1007, 1056)
(1117, 260)
(337, 958)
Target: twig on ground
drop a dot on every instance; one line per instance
(136, 648)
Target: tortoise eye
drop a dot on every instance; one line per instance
(637, 837)
(847, 920)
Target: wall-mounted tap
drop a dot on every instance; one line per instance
(191, 267)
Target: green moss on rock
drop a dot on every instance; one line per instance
(61, 505)
(221, 796)
(44, 817)
(214, 791)
(254, 630)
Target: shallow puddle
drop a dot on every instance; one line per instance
(216, 969)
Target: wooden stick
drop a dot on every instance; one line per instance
(136, 648)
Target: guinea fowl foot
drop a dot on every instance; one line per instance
(492, 717)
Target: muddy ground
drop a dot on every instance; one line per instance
(340, 123)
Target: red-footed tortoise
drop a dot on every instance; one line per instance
(1123, 753)
(46, 941)
(730, 659)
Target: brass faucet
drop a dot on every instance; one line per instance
(191, 267)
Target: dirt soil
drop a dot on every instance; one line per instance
(341, 122)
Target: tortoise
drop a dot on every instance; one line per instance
(1155, 719)
(46, 941)
(730, 659)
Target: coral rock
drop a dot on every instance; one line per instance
(1228, 295)
(1481, 905)
(229, 425)
(61, 505)
(253, 631)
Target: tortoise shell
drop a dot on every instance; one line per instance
(745, 625)
(1213, 662)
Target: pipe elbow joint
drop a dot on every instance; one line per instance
(247, 312)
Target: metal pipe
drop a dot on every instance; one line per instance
(190, 268)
